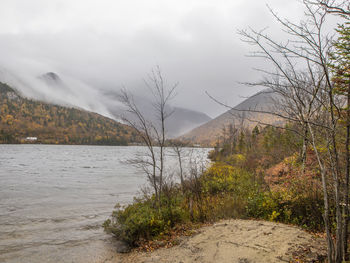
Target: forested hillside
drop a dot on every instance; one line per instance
(21, 118)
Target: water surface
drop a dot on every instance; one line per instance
(54, 198)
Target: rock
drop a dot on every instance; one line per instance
(159, 243)
(180, 240)
(152, 259)
(123, 247)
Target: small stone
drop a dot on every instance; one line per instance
(243, 260)
(159, 243)
(123, 247)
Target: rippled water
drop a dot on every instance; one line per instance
(54, 198)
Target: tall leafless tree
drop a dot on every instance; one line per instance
(179, 151)
(152, 133)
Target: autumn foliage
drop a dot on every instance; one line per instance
(21, 117)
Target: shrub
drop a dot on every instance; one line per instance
(224, 178)
(142, 220)
(226, 189)
(287, 207)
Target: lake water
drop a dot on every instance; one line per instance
(54, 198)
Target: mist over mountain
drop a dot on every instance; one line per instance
(179, 122)
(62, 90)
(183, 120)
(56, 89)
(22, 118)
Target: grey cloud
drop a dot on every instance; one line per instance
(195, 45)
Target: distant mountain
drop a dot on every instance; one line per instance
(180, 121)
(65, 91)
(56, 89)
(210, 132)
(52, 79)
(183, 120)
(27, 120)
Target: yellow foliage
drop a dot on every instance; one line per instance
(274, 216)
(9, 119)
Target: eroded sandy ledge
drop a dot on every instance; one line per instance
(237, 241)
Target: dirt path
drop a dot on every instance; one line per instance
(240, 241)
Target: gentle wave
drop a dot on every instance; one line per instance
(55, 198)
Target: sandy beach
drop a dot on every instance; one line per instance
(237, 241)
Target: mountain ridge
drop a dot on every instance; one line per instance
(179, 122)
(22, 118)
(210, 132)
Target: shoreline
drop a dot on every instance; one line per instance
(236, 240)
(102, 145)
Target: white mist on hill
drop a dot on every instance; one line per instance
(56, 89)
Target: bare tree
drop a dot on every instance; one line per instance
(303, 81)
(232, 130)
(306, 96)
(177, 147)
(341, 7)
(152, 133)
(339, 66)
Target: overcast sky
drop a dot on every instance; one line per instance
(112, 43)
